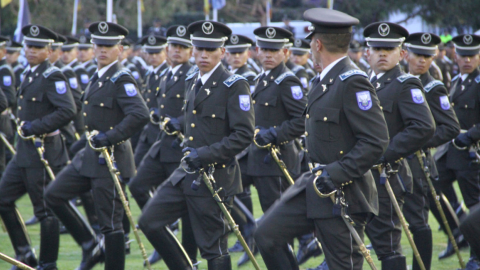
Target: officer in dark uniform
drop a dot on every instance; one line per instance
(455, 160)
(298, 70)
(238, 53)
(470, 229)
(444, 64)
(85, 55)
(347, 134)
(114, 107)
(69, 58)
(124, 60)
(218, 124)
(355, 52)
(45, 104)
(300, 53)
(410, 126)
(421, 52)
(13, 52)
(155, 48)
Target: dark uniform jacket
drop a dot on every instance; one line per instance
(248, 74)
(134, 71)
(17, 70)
(44, 99)
(90, 67)
(346, 131)
(170, 97)
(112, 105)
(300, 72)
(279, 102)
(446, 69)
(152, 83)
(82, 75)
(7, 85)
(219, 123)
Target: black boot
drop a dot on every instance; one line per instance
(32, 221)
(49, 242)
(472, 264)
(397, 262)
(115, 251)
(19, 238)
(308, 247)
(47, 266)
(322, 266)
(280, 258)
(423, 241)
(154, 258)
(449, 251)
(167, 245)
(220, 263)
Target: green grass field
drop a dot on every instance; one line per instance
(70, 253)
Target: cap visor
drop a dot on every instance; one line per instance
(430, 52)
(207, 44)
(270, 45)
(382, 44)
(109, 42)
(467, 52)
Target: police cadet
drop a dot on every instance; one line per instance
(355, 52)
(237, 55)
(470, 230)
(13, 52)
(410, 126)
(45, 104)
(421, 52)
(69, 58)
(114, 107)
(298, 70)
(456, 160)
(168, 94)
(86, 55)
(218, 124)
(155, 48)
(300, 53)
(125, 61)
(443, 63)
(345, 135)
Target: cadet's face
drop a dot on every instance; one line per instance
(237, 60)
(55, 55)
(355, 56)
(12, 57)
(37, 55)
(156, 59)
(467, 64)
(316, 65)
(207, 58)
(85, 55)
(178, 54)
(384, 59)
(271, 58)
(418, 64)
(300, 59)
(69, 56)
(105, 55)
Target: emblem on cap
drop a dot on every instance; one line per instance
(103, 27)
(83, 39)
(383, 29)
(234, 39)
(34, 30)
(298, 42)
(270, 32)
(426, 38)
(151, 40)
(207, 28)
(467, 39)
(181, 31)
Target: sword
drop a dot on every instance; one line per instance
(14, 262)
(179, 134)
(115, 176)
(10, 147)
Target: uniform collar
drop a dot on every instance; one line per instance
(155, 70)
(207, 75)
(73, 62)
(464, 76)
(175, 69)
(329, 67)
(104, 69)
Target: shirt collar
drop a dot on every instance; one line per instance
(206, 76)
(104, 69)
(379, 75)
(464, 76)
(32, 69)
(418, 76)
(155, 70)
(329, 67)
(234, 70)
(175, 69)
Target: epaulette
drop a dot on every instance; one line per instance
(249, 74)
(192, 70)
(280, 78)
(17, 67)
(258, 76)
(163, 72)
(297, 68)
(477, 79)
(232, 79)
(75, 68)
(119, 73)
(65, 68)
(456, 77)
(405, 77)
(50, 71)
(431, 85)
(7, 67)
(352, 72)
(131, 65)
(90, 68)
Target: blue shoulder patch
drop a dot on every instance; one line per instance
(120, 73)
(193, 70)
(431, 85)
(297, 68)
(456, 77)
(249, 74)
(280, 78)
(352, 72)
(477, 79)
(405, 77)
(232, 79)
(50, 71)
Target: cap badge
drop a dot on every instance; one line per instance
(383, 29)
(467, 39)
(426, 38)
(83, 39)
(181, 31)
(34, 30)
(234, 39)
(103, 27)
(207, 28)
(270, 32)
(298, 42)
(152, 40)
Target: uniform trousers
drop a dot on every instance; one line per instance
(471, 230)
(269, 189)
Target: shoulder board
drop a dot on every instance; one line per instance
(297, 68)
(456, 77)
(65, 68)
(280, 78)
(431, 85)
(258, 76)
(405, 77)
(192, 70)
(163, 72)
(77, 67)
(130, 66)
(249, 74)
(17, 67)
(6, 66)
(91, 67)
(120, 73)
(352, 72)
(50, 71)
(232, 79)
(477, 79)
(310, 71)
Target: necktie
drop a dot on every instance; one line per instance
(457, 88)
(315, 81)
(169, 76)
(198, 85)
(262, 77)
(373, 79)
(93, 80)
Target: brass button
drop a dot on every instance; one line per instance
(86, 102)
(161, 106)
(86, 127)
(306, 133)
(149, 91)
(466, 106)
(111, 127)
(19, 108)
(178, 95)
(213, 115)
(192, 125)
(308, 116)
(325, 118)
(341, 152)
(381, 108)
(163, 95)
(33, 99)
(21, 96)
(453, 104)
(148, 100)
(253, 101)
(194, 112)
(190, 138)
(84, 114)
(158, 88)
(101, 104)
(266, 103)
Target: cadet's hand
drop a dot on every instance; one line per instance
(154, 114)
(27, 128)
(192, 159)
(324, 183)
(463, 140)
(172, 125)
(101, 140)
(266, 136)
